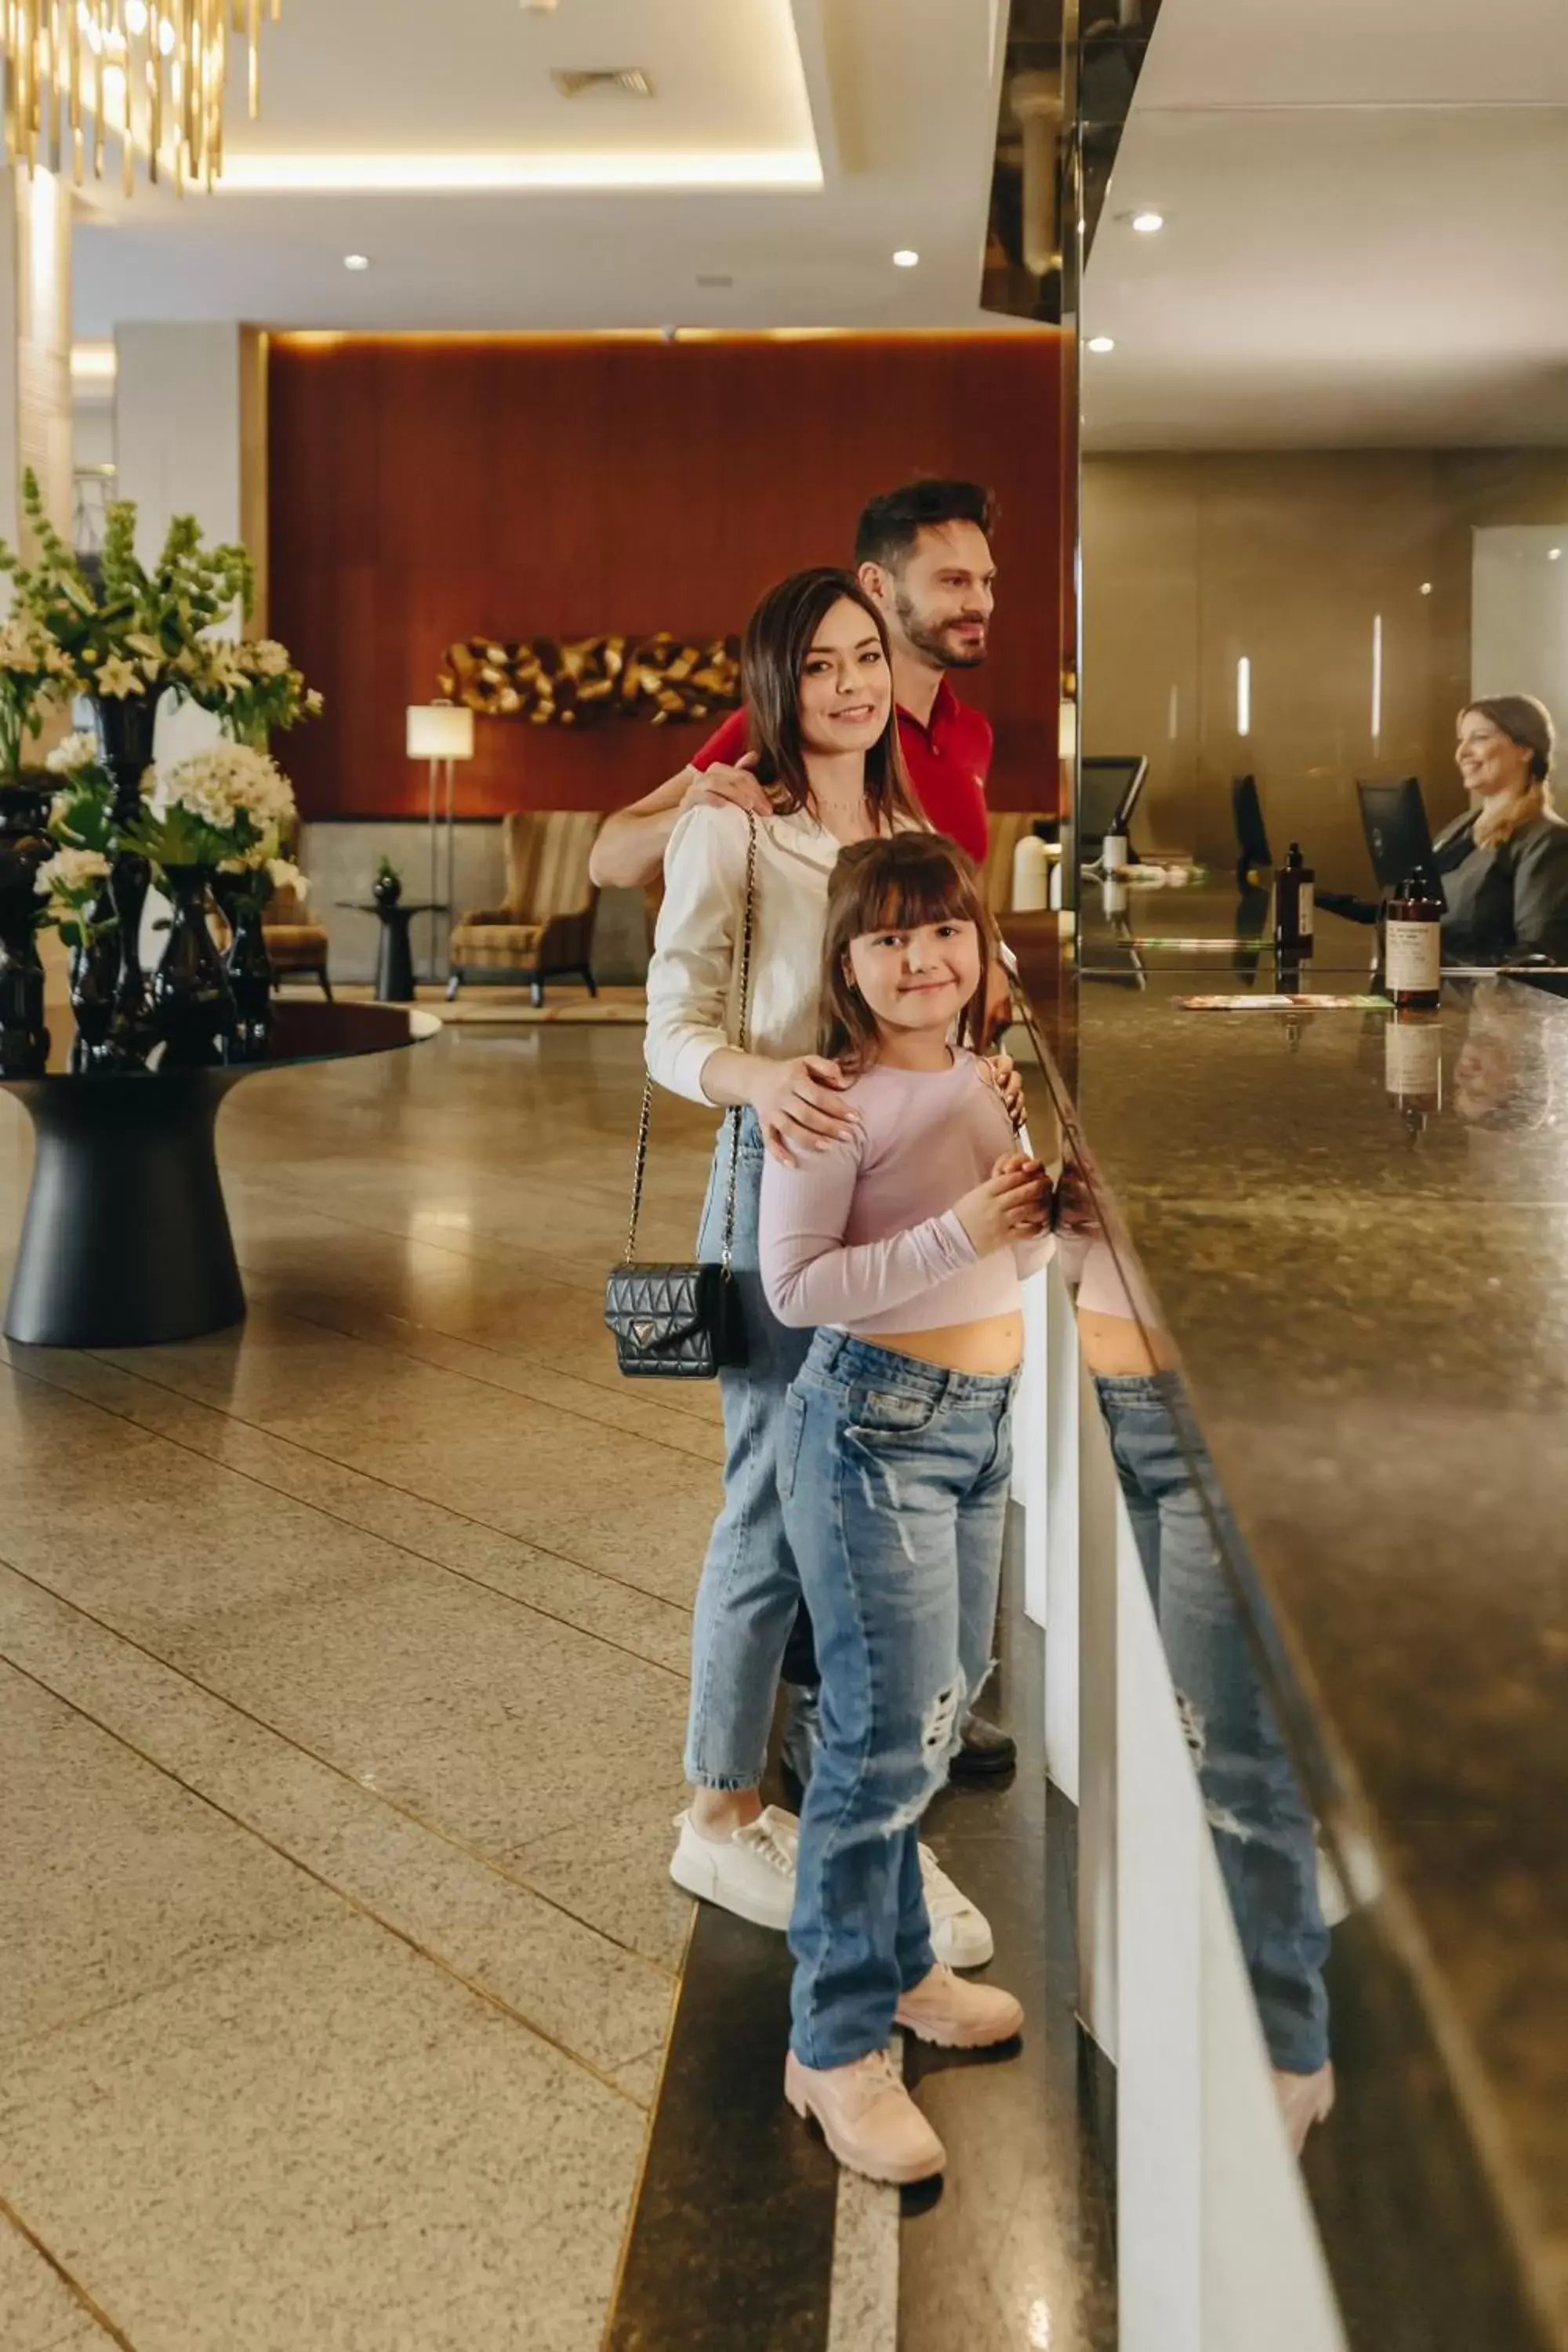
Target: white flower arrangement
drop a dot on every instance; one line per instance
(229, 807)
(222, 786)
(72, 883)
(70, 870)
(79, 750)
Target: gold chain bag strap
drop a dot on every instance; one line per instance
(683, 1322)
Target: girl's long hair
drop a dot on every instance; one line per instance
(779, 635)
(897, 883)
(1527, 723)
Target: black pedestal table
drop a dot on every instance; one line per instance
(125, 1243)
(395, 957)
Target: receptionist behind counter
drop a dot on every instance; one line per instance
(1504, 864)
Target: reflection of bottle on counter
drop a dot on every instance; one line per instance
(1031, 877)
(1293, 898)
(1413, 1069)
(1413, 946)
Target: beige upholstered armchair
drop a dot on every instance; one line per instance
(546, 930)
(296, 947)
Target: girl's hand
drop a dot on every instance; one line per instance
(799, 1106)
(722, 787)
(1012, 1205)
(1003, 1073)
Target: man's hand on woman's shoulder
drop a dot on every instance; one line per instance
(721, 786)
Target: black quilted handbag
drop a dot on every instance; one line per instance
(683, 1322)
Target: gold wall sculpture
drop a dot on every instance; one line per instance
(578, 681)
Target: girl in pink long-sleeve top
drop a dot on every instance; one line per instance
(902, 1243)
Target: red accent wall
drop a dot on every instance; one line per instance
(422, 490)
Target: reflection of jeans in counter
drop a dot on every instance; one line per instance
(750, 1592)
(1262, 1825)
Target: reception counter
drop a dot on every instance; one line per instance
(1355, 1231)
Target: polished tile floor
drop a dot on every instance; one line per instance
(341, 1683)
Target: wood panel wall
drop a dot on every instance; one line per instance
(423, 489)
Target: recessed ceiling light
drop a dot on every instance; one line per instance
(356, 261)
(906, 257)
(1101, 343)
(1554, 555)
(1147, 223)
(1425, 587)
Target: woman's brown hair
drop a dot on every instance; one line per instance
(1527, 723)
(779, 636)
(897, 884)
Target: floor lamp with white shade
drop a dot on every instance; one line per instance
(443, 733)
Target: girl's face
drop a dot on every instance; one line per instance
(1489, 761)
(845, 686)
(920, 979)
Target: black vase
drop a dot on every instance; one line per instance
(247, 965)
(25, 845)
(94, 970)
(192, 1010)
(126, 727)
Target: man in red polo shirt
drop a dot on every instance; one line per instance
(923, 556)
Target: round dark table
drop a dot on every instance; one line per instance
(125, 1243)
(394, 958)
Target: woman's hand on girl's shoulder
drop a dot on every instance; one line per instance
(1002, 1072)
(801, 1109)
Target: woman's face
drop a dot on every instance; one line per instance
(919, 979)
(1490, 761)
(845, 687)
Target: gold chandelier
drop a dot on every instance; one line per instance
(149, 75)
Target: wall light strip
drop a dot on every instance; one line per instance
(94, 363)
(320, 174)
(1377, 676)
(1244, 697)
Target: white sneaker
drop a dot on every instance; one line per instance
(749, 1872)
(961, 1935)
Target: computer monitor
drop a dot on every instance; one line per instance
(1253, 855)
(1398, 837)
(1107, 794)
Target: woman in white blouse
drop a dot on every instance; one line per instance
(819, 689)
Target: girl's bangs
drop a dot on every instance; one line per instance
(933, 893)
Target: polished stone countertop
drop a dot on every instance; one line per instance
(1356, 1231)
(1211, 926)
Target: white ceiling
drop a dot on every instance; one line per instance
(893, 100)
(1364, 230)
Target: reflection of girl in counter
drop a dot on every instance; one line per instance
(901, 1242)
(1263, 1830)
(1504, 864)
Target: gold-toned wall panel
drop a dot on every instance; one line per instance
(1287, 560)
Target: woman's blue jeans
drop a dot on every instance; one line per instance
(895, 1477)
(1262, 1825)
(750, 1591)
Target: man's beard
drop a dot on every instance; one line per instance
(927, 638)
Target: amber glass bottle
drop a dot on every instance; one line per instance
(1413, 946)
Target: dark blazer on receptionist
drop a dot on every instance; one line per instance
(1511, 900)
